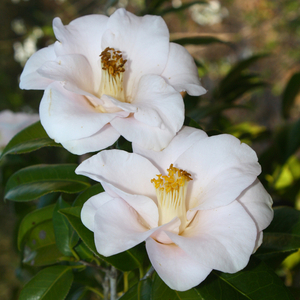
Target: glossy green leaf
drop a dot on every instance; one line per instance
(29, 139)
(63, 230)
(43, 256)
(291, 90)
(282, 237)
(123, 144)
(32, 219)
(84, 252)
(87, 194)
(35, 181)
(49, 284)
(126, 261)
(140, 291)
(40, 246)
(199, 40)
(180, 8)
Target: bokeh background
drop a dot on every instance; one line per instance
(248, 55)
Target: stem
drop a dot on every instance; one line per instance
(125, 278)
(106, 287)
(113, 283)
(95, 291)
(149, 273)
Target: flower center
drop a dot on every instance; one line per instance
(112, 64)
(171, 193)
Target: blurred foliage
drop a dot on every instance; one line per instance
(249, 63)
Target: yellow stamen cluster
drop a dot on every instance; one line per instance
(175, 179)
(112, 61)
(171, 193)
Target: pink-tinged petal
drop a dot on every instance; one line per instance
(117, 228)
(143, 205)
(221, 167)
(144, 42)
(30, 79)
(104, 138)
(73, 70)
(159, 116)
(160, 234)
(67, 116)
(222, 238)
(82, 36)
(259, 240)
(181, 71)
(176, 268)
(90, 208)
(258, 203)
(128, 172)
(183, 140)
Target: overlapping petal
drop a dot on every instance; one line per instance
(222, 238)
(221, 167)
(128, 172)
(30, 78)
(183, 140)
(159, 115)
(68, 116)
(177, 269)
(144, 42)
(182, 74)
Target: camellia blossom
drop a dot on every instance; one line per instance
(198, 205)
(11, 123)
(112, 76)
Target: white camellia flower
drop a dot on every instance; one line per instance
(11, 123)
(198, 205)
(112, 76)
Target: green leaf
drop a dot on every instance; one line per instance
(180, 8)
(199, 40)
(191, 123)
(256, 282)
(236, 71)
(291, 90)
(50, 283)
(29, 139)
(35, 181)
(40, 246)
(123, 144)
(87, 194)
(31, 220)
(140, 291)
(126, 261)
(160, 291)
(282, 237)
(63, 230)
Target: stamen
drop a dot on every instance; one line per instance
(171, 193)
(112, 64)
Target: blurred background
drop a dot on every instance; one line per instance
(248, 58)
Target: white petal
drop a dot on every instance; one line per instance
(128, 172)
(178, 270)
(160, 114)
(183, 140)
(258, 203)
(82, 36)
(67, 116)
(160, 234)
(221, 167)
(104, 138)
(74, 70)
(181, 71)
(222, 238)
(117, 228)
(144, 42)
(143, 205)
(30, 79)
(90, 208)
